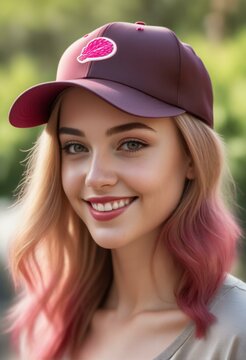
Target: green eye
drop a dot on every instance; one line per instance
(132, 145)
(73, 148)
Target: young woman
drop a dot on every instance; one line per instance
(126, 242)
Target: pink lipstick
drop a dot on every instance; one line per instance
(108, 215)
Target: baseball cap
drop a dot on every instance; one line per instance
(143, 70)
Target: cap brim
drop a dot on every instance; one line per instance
(33, 107)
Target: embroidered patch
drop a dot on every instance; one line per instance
(97, 49)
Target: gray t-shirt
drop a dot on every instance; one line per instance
(225, 339)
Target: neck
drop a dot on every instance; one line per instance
(137, 287)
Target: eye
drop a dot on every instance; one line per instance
(132, 145)
(73, 148)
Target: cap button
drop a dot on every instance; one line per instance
(140, 25)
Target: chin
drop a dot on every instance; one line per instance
(108, 244)
(109, 241)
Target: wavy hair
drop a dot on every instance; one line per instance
(62, 276)
(202, 233)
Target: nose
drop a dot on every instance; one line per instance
(100, 173)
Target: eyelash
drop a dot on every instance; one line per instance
(66, 146)
(142, 144)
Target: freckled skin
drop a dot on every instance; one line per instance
(155, 174)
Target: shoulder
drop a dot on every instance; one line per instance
(230, 296)
(229, 307)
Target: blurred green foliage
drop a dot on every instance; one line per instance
(33, 35)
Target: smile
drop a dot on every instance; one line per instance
(109, 206)
(109, 210)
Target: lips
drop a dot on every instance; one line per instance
(107, 208)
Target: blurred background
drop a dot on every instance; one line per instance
(33, 36)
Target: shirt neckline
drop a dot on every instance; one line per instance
(177, 343)
(227, 284)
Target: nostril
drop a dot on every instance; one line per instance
(98, 178)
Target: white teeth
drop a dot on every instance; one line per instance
(94, 206)
(100, 207)
(107, 207)
(115, 205)
(110, 206)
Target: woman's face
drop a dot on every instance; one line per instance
(109, 153)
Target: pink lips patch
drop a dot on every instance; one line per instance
(97, 49)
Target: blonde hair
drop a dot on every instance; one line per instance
(63, 276)
(53, 257)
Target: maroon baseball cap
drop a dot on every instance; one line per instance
(143, 70)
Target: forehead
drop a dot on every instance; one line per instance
(82, 109)
(82, 104)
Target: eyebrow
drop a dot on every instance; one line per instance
(109, 132)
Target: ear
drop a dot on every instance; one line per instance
(190, 173)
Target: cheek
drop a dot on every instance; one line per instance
(161, 185)
(71, 179)
(171, 190)
(156, 175)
